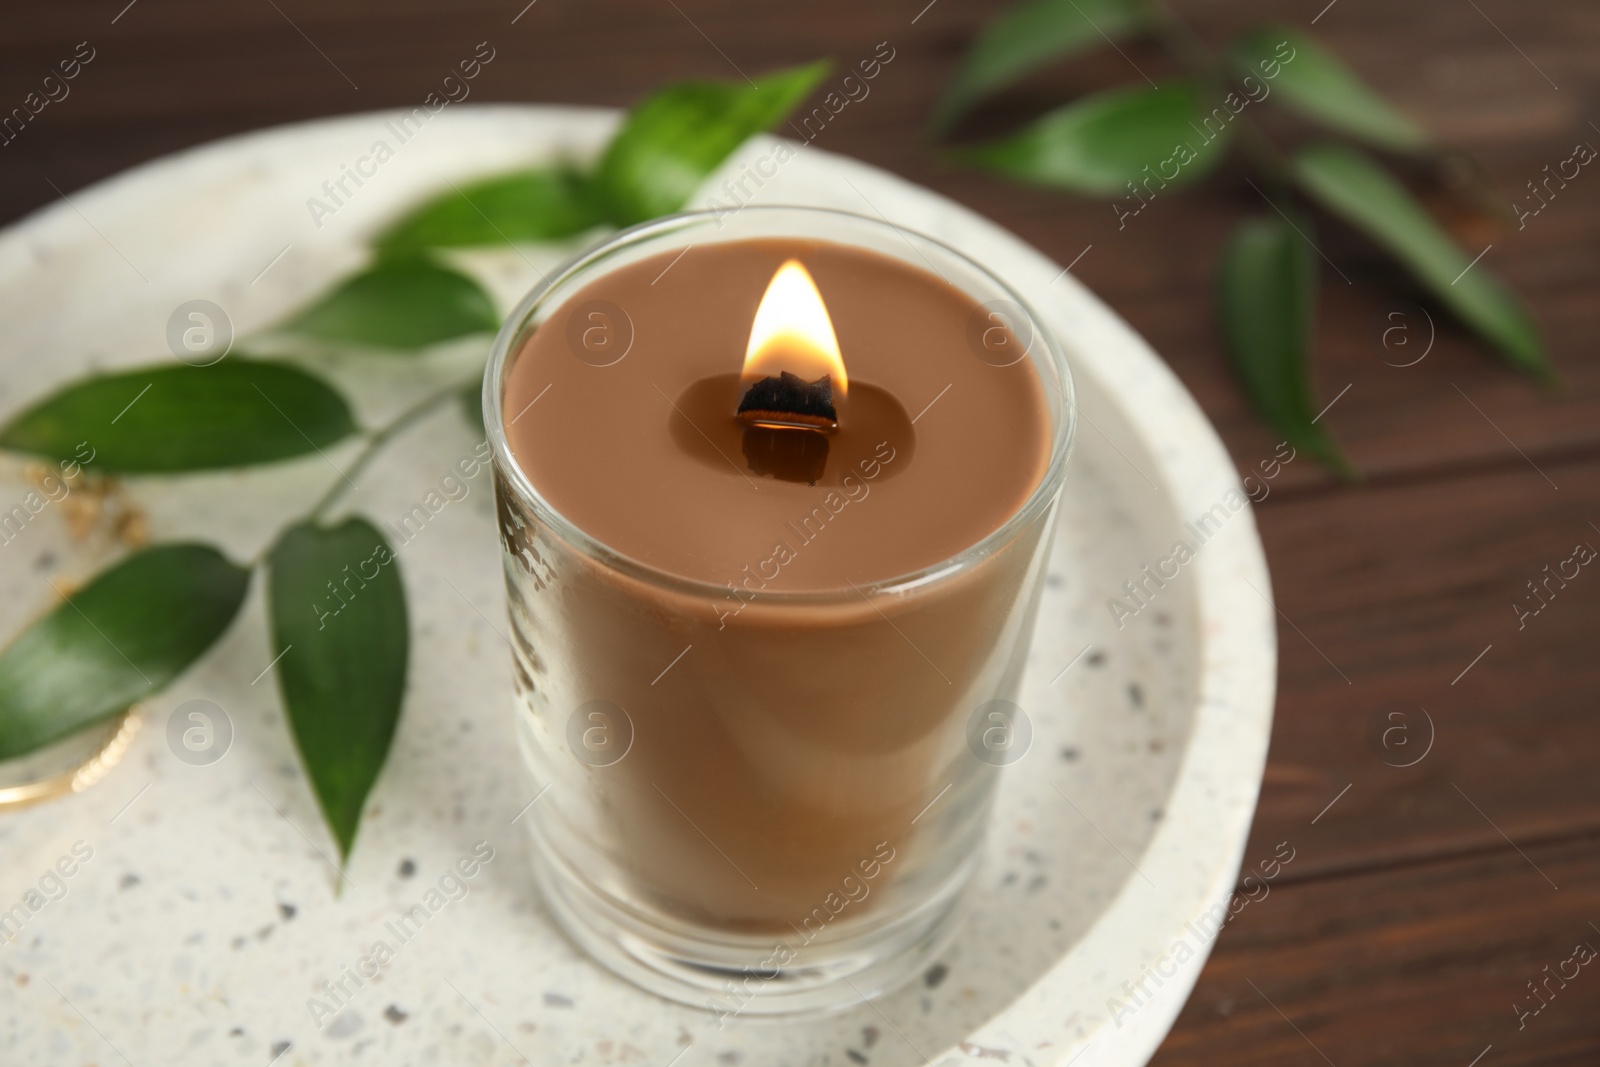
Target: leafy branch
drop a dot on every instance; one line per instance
(1136, 142)
(336, 604)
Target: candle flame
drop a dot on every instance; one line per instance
(792, 332)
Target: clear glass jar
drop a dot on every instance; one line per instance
(772, 837)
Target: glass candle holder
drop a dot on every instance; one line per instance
(772, 809)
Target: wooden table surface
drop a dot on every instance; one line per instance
(1424, 899)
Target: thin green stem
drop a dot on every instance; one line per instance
(1205, 68)
(379, 439)
(376, 442)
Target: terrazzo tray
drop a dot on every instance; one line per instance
(205, 916)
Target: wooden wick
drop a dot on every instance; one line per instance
(789, 401)
(787, 421)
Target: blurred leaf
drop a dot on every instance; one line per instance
(118, 640)
(672, 139)
(1314, 82)
(472, 405)
(165, 419)
(1358, 190)
(402, 304)
(1031, 35)
(1098, 144)
(338, 614)
(1266, 298)
(529, 205)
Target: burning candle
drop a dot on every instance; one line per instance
(775, 497)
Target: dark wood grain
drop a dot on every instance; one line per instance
(1420, 902)
(1414, 966)
(1398, 589)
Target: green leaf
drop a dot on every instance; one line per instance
(1099, 144)
(403, 303)
(1353, 187)
(165, 419)
(338, 613)
(118, 640)
(1029, 36)
(1266, 298)
(1314, 82)
(671, 140)
(529, 205)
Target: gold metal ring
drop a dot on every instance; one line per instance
(82, 777)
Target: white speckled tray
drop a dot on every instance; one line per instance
(205, 917)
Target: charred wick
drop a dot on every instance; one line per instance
(790, 401)
(787, 420)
